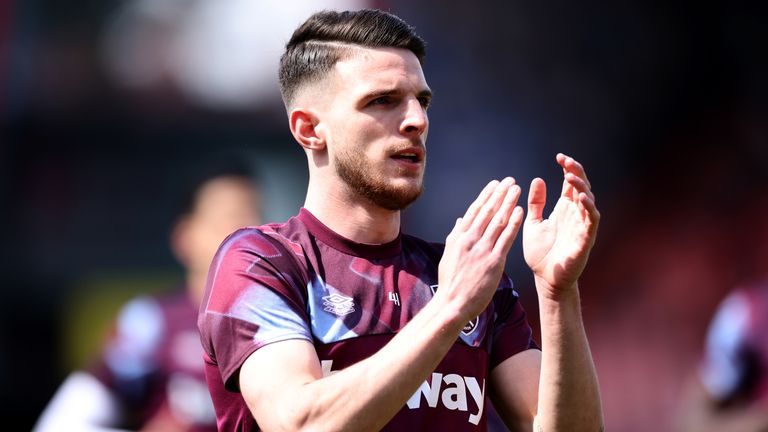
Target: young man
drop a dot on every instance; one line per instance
(335, 320)
(150, 374)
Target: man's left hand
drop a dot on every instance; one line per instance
(557, 248)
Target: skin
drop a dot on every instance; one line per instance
(222, 205)
(373, 104)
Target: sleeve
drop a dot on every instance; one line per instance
(725, 364)
(511, 333)
(255, 295)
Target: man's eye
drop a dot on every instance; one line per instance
(380, 101)
(425, 101)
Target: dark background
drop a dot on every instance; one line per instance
(665, 103)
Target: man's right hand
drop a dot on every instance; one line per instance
(477, 248)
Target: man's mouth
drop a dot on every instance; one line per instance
(412, 155)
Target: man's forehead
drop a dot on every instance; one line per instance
(375, 57)
(364, 66)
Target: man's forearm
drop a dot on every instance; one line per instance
(366, 395)
(569, 396)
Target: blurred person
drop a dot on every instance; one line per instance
(335, 320)
(150, 373)
(730, 389)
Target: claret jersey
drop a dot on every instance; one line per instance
(300, 280)
(152, 363)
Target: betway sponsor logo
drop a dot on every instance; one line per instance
(453, 395)
(450, 390)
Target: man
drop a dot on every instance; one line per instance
(150, 373)
(335, 320)
(730, 391)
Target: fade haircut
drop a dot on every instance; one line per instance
(327, 37)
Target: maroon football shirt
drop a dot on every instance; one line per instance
(300, 280)
(152, 363)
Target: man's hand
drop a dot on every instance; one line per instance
(477, 247)
(557, 248)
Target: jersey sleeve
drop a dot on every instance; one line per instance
(725, 364)
(255, 295)
(512, 333)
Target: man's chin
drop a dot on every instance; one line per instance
(396, 199)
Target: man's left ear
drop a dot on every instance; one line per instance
(304, 127)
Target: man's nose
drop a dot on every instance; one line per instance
(415, 120)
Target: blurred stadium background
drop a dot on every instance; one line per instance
(105, 106)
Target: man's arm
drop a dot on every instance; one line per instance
(282, 383)
(556, 249)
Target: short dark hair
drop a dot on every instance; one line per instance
(212, 167)
(324, 39)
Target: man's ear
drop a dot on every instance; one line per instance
(304, 128)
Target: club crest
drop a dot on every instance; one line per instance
(468, 327)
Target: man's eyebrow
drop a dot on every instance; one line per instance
(394, 91)
(381, 92)
(427, 93)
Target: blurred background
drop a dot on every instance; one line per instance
(106, 106)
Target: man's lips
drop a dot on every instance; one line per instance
(411, 154)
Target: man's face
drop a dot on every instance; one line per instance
(376, 125)
(222, 205)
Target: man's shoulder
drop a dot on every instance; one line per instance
(269, 240)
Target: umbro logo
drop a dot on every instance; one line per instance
(338, 304)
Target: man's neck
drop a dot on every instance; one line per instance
(355, 219)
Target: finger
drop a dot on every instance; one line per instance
(502, 217)
(507, 237)
(567, 189)
(475, 207)
(537, 198)
(571, 165)
(456, 229)
(579, 185)
(587, 205)
(491, 207)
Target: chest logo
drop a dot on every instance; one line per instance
(338, 304)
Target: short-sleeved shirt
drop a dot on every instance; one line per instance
(301, 280)
(735, 366)
(152, 362)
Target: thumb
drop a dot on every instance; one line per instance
(537, 198)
